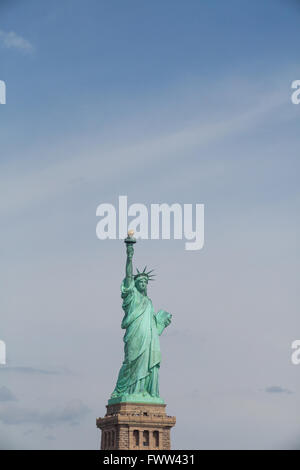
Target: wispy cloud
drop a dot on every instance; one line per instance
(277, 389)
(71, 172)
(6, 394)
(33, 370)
(71, 414)
(12, 40)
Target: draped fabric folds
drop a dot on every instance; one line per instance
(139, 371)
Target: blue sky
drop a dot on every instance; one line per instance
(169, 101)
(96, 63)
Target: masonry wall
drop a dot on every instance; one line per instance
(136, 426)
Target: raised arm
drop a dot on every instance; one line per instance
(129, 270)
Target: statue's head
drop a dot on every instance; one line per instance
(141, 284)
(141, 280)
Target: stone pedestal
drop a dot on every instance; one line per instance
(136, 426)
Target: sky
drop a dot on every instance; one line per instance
(165, 102)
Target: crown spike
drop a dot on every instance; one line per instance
(148, 274)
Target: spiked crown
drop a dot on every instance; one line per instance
(143, 273)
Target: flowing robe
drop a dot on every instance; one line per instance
(139, 371)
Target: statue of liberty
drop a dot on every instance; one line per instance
(138, 376)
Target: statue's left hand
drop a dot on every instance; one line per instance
(163, 319)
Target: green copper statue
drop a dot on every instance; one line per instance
(138, 376)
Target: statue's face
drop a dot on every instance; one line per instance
(141, 284)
